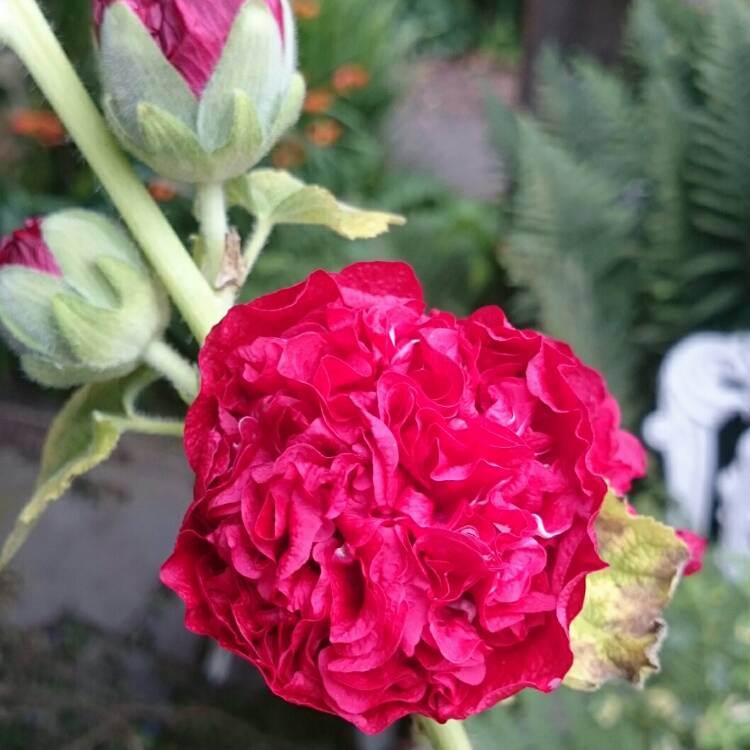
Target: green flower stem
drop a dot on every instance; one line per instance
(180, 373)
(211, 210)
(143, 425)
(256, 243)
(449, 736)
(25, 29)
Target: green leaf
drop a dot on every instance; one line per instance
(592, 112)
(279, 198)
(620, 629)
(506, 136)
(82, 436)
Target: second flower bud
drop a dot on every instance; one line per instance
(77, 303)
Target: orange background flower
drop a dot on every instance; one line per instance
(318, 101)
(307, 10)
(41, 125)
(324, 133)
(350, 77)
(288, 155)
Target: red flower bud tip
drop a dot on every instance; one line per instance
(697, 546)
(278, 13)
(26, 247)
(190, 33)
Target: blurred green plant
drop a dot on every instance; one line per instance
(449, 241)
(451, 27)
(353, 79)
(70, 685)
(630, 206)
(71, 680)
(701, 701)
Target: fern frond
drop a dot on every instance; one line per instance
(571, 247)
(720, 164)
(592, 113)
(668, 114)
(664, 281)
(631, 215)
(663, 36)
(504, 131)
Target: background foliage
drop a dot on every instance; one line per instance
(449, 240)
(74, 681)
(629, 221)
(700, 701)
(338, 143)
(634, 188)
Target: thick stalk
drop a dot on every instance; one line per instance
(211, 210)
(180, 373)
(449, 736)
(24, 28)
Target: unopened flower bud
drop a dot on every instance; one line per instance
(77, 302)
(199, 91)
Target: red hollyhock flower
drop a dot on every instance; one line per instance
(190, 33)
(393, 508)
(26, 247)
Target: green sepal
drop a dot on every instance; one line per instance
(51, 373)
(130, 143)
(172, 149)
(26, 318)
(250, 63)
(246, 145)
(109, 339)
(80, 239)
(82, 436)
(167, 145)
(278, 198)
(620, 629)
(290, 109)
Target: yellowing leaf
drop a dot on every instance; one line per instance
(83, 435)
(278, 198)
(620, 629)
